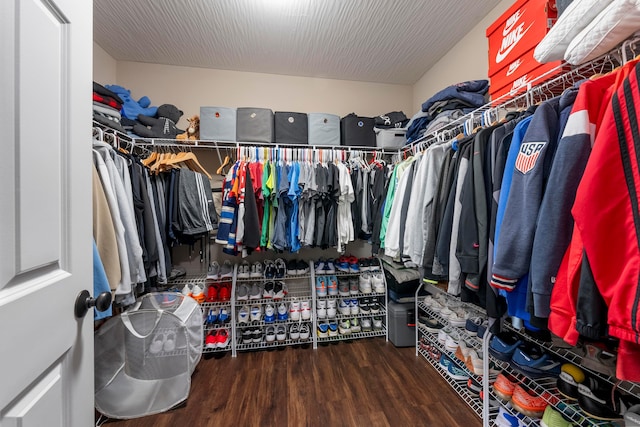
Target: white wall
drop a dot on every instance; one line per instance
(190, 88)
(467, 60)
(104, 66)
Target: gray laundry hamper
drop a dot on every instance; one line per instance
(144, 357)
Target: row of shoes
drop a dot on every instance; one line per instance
(269, 290)
(365, 283)
(452, 310)
(272, 333)
(296, 310)
(217, 338)
(526, 358)
(217, 315)
(331, 328)
(346, 264)
(348, 307)
(217, 291)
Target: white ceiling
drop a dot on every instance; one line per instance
(387, 41)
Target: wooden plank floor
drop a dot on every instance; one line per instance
(361, 383)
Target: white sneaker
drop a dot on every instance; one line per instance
(451, 343)
(377, 282)
(294, 331)
(443, 334)
(270, 334)
(344, 327)
(355, 325)
(322, 309)
(305, 332)
(294, 310)
(320, 267)
(214, 270)
(345, 308)
(353, 305)
(186, 291)
(281, 333)
(366, 324)
(458, 317)
(256, 313)
(305, 310)
(244, 270)
(243, 314)
(365, 283)
(197, 293)
(256, 270)
(332, 308)
(377, 323)
(269, 313)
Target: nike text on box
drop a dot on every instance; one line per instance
(518, 84)
(518, 30)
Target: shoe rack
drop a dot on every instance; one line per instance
(339, 335)
(544, 387)
(299, 290)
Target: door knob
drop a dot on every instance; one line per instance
(84, 302)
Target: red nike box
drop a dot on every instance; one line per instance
(525, 66)
(535, 76)
(519, 30)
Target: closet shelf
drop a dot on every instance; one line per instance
(355, 335)
(263, 345)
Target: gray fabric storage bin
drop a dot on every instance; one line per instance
(390, 138)
(254, 125)
(357, 131)
(290, 128)
(218, 123)
(402, 324)
(324, 129)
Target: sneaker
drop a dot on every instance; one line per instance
(332, 285)
(280, 290)
(474, 363)
(323, 329)
(294, 310)
(443, 334)
(242, 293)
(354, 267)
(294, 331)
(527, 402)
(354, 286)
(223, 315)
(244, 270)
(342, 264)
(451, 343)
(255, 313)
(377, 323)
(243, 314)
(321, 308)
(212, 315)
(507, 419)
(213, 272)
(255, 292)
(374, 264)
(430, 324)
(345, 327)
(224, 292)
(355, 325)
(281, 267)
(363, 264)
(343, 287)
(256, 270)
(377, 282)
(366, 324)
(601, 400)
(365, 283)
(303, 267)
(531, 361)
(270, 334)
(305, 331)
(257, 335)
(210, 342)
(458, 317)
(330, 267)
(344, 307)
(320, 266)
(503, 345)
(267, 292)
(292, 267)
(353, 305)
(212, 292)
(333, 328)
(374, 306)
(472, 323)
(281, 333)
(332, 310)
(247, 336)
(599, 360)
(283, 312)
(186, 290)
(321, 286)
(305, 310)
(456, 373)
(269, 313)
(269, 269)
(197, 293)
(474, 387)
(226, 270)
(463, 350)
(553, 418)
(223, 338)
(504, 385)
(632, 416)
(570, 377)
(445, 362)
(365, 305)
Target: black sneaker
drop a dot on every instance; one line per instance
(302, 266)
(365, 305)
(280, 268)
(257, 335)
(474, 387)
(292, 267)
(602, 400)
(247, 335)
(269, 269)
(363, 263)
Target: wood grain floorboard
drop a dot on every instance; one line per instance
(361, 383)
